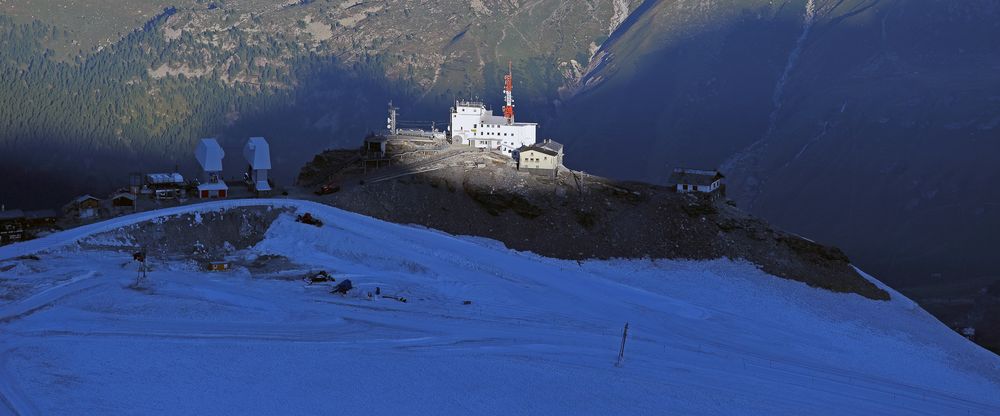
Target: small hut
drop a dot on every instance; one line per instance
(122, 202)
(218, 266)
(540, 158)
(696, 180)
(84, 207)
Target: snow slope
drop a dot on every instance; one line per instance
(540, 336)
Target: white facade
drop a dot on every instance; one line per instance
(684, 188)
(258, 155)
(473, 125)
(533, 159)
(696, 180)
(544, 156)
(209, 155)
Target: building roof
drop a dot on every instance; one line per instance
(41, 213)
(257, 153)
(548, 147)
(469, 103)
(501, 121)
(551, 145)
(493, 119)
(162, 178)
(82, 198)
(126, 195)
(11, 214)
(209, 155)
(694, 177)
(213, 186)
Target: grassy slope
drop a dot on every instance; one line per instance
(88, 24)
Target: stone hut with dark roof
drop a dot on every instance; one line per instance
(696, 180)
(545, 157)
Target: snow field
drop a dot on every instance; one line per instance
(540, 337)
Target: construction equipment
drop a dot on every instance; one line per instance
(307, 218)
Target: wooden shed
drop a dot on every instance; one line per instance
(83, 207)
(122, 202)
(218, 266)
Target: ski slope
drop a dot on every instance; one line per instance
(540, 337)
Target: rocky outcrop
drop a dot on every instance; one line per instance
(578, 216)
(199, 236)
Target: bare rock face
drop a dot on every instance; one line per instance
(199, 236)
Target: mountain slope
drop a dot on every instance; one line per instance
(573, 215)
(113, 88)
(870, 125)
(539, 337)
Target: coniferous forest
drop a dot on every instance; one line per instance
(110, 115)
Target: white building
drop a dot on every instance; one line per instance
(258, 155)
(473, 125)
(695, 180)
(209, 155)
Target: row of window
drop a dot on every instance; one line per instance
(694, 187)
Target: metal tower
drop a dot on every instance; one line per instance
(508, 94)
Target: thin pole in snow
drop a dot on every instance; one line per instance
(621, 352)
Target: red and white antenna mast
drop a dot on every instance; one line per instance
(508, 94)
